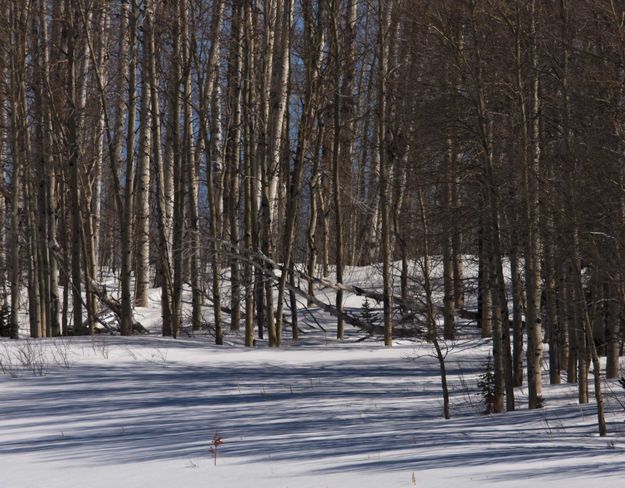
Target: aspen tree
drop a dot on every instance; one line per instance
(233, 155)
(448, 257)
(248, 168)
(18, 118)
(616, 302)
(384, 15)
(277, 68)
(336, 170)
(312, 58)
(178, 82)
(4, 151)
(348, 106)
(164, 248)
(127, 231)
(50, 208)
(533, 249)
(142, 200)
(74, 163)
(209, 98)
(191, 183)
(431, 319)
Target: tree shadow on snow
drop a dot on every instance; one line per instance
(353, 415)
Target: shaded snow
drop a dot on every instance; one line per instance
(141, 411)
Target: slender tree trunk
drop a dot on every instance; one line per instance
(312, 59)
(314, 190)
(448, 250)
(179, 74)
(491, 228)
(613, 331)
(213, 144)
(484, 299)
(126, 234)
(74, 167)
(49, 178)
(248, 181)
(384, 19)
(517, 316)
(142, 203)
(163, 248)
(277, 71)
(553, 322)
(533, 249)
(587, 332)
(233, 157)
(293, 303)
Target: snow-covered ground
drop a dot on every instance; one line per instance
(142, 411)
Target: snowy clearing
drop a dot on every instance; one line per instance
(95, 412)
(142, 411)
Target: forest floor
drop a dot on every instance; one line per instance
(142, 411)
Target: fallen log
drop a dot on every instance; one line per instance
(253, 258)
(99, 290)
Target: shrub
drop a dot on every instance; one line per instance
(486, 384)
(5, 321)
